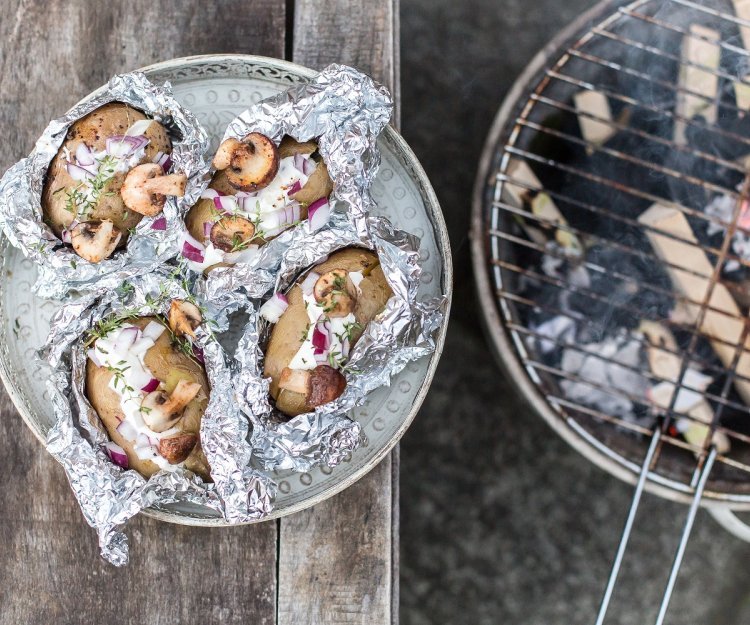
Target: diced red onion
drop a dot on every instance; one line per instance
(116, 454)
(84, 156)
(308, 166)
(207, 227)
(192, 253)
(127, 430)
(210, 194)
(226, 204)
(94, 358)
(198, 353)
(138, 128)
(165, 160)
(294, 188)
(159, 224)
(308, 283)
(247, 203)
(151, 386)
(125, 339)
(77, 173)
(125, 145)
(321, 337)
(241, 256)
(66, 236)
(345, 347)
(272, 310)
(299, 162)
(318, 213)
(153, 330)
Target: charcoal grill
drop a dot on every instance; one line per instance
(612, 198)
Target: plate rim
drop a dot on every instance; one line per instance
(435, 214)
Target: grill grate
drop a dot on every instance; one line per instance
(632, 57)
(630, 239)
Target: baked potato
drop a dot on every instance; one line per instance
(248, 202)
(101, 182)
(325, 313)
(156, 424)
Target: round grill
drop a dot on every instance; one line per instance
(611, 242)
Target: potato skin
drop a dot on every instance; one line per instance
(93, 130)
(287, 334)
(161, 359)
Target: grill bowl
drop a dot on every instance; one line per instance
(618, 450)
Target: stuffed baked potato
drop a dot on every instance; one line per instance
(257, 192)
(149, 393)
(316, 326)
(105, 177)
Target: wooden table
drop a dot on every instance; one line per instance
(334, 563)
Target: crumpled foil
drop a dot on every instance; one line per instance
(60, 268)
(109, 495)
(345, 111)
(403, 332)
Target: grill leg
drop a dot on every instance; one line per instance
(628, 526)
(685, 535)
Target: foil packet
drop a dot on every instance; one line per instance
(154, 240)
(406, 330)
(110, 495)
(344, 111)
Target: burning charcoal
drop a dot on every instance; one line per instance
(560, 328)
(602, 365)
(618, 297)
(698, 51)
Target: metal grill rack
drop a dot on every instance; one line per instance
(677, 128)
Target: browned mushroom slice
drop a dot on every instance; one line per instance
(95, 240)
(161, 410)
(335, 293)
(176, 449)
(184, 317)
(231, 234)
(325, 385)
(250, 164)
(146, 186)
(318, 185)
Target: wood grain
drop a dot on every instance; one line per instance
(53, 53)
(360, 33)
(338, 561)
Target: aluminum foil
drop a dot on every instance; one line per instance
(404, 331)
(60, 268)
(345, 111)
(109, 495)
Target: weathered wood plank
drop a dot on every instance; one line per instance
(53, 52)
(338, 562)
(360, 33)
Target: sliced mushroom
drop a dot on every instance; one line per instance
(319, 386)
(325, 385)
(176, 449)
(335, 293)
(95, 240)
(250, 164)
(232, 233)
(162, 411)
(146, 186)
(184, 317)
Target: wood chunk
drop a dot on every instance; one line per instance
(665, 364)
(697, 80)
(540, 204)
(594, 131)
(716, 325)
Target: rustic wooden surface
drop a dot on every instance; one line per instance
(336, 560)
(53, 52)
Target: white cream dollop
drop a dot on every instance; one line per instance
(125, 358)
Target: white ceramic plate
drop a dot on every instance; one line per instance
(216, 89)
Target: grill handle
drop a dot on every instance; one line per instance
(731, 523)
